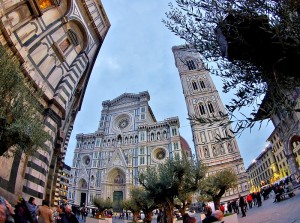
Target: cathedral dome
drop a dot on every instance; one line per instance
(185, 147)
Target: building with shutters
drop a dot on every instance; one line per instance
(263, 170)
(56, 43)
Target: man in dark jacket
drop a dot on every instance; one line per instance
(70, 215)
(242, 204)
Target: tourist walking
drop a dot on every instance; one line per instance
(242, 204)
(258, 198)
(229, 206)
(44, 213)
(83, 213)
(235, 206)
(70, 216)
(32, 208)
(249, 200)
(22, 214)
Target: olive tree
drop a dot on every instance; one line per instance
(130, 204)
(144, 201)
(102, 204)
(252, 45)
(21, 114)
(214, 186)
(184, 200)
(170, 179)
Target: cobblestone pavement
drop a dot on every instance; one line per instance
(286, 211)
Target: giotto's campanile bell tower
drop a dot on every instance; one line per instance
(203, 100)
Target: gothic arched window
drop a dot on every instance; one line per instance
(202, 109)
(131, 139)
(119, 139)
(158, 136)
(202, 84)
(152, 136)
(191, 65)
(195, 86)
(165, 134)
(210, 107)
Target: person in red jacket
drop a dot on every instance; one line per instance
(249, 200)
(222, 208)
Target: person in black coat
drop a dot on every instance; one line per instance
(66, 215)
(258, 198)
(217, 215)
(242, 204)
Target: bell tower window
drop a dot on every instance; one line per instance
(202, 109)
(202, 84)
(211, 107)
(195, 86)
(191, 65)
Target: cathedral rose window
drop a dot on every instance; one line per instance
(123, 123)
(86, 160)
(159, 154)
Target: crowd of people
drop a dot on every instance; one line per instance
(29, 212)
(243, 203)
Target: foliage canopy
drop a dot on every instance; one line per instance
(216, 185)
(132, 205)
(102, 204)
(21, 119)
(252, 45)
(144, 201)
(170, 179)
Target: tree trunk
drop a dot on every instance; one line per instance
(217, 202)
(101, 214)
(135, 216)
(148, 217)
(217, 198)
(182, 210)
(168, 212)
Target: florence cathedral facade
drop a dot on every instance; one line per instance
(203, 100)
(129, 139)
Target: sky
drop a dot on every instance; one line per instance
(137, 56)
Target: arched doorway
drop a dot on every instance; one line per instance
(83, 187)
(117, 180)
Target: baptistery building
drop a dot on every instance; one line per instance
(128, 140)
(56, 43)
